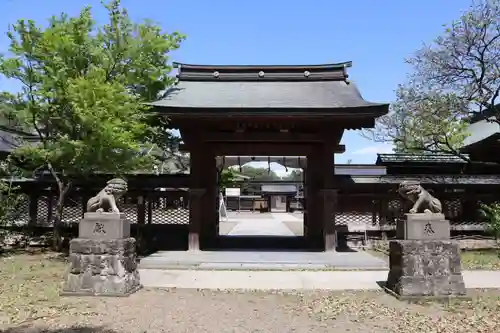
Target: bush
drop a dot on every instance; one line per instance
(492, 214)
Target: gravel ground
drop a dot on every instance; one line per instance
(29, 302)
(214, 311)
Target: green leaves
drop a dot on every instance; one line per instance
(464, 59)
(427, 121)
(84, 88)
(492, 215)
(455, 75)
(423, 121)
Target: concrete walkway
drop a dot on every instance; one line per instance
(289, 280)
(244, 260)
(257, 224)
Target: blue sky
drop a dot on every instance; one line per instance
(375, 35)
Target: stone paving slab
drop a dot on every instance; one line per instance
(261, 260)
(289, 280)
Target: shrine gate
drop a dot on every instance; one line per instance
(265, 111)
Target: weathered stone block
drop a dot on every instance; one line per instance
(104, 226)
(423, 268)
(102, 246)
(88, 284)
(102, 267)
(424, 226)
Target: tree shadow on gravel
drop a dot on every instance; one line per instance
(75, 329)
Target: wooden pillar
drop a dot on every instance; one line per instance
(210, 219)
(304, 201)
(329, 193)
(33, 209)
(203, 205)
(329, 204)
(321, 196)
(314, 202)
(195, 217)
(196, 191)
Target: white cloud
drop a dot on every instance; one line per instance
(375, 149)
(277, 168)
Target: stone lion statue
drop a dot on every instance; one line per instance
(422, 200)
(105, 200)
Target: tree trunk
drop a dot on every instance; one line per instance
(63, 189)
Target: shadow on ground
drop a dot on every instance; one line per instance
(79, 329)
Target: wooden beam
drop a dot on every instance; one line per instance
(284, 137)
(260, 149)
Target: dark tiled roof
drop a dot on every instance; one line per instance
(479, 131)
(315, 94)
(360, 170)
(421, 158)
(432, 179)
(326, 87)
(11, 139)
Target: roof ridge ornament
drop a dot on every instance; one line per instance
(278, 73)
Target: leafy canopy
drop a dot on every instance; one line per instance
(455, 76)
(83, 89)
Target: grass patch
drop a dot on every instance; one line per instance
(30, 284)
(481, 259)
(471, 259)
(377, 312)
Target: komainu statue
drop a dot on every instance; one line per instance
(422, 200)
(105, 200)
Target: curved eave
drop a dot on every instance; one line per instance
(371, 111)
(267, 97)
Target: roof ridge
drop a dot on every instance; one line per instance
(239, 73)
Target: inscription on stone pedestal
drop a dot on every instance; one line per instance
(99, 228)
(104, 226)
(428, 231)
(423, 227)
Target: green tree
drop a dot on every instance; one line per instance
(10, 196)
(422, 121)
(226, 179)
(256, 175)
(83, 93)
(492, 215)
(455, 76)
(295, 175)
(259, 174)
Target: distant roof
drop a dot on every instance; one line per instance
(487, 113)
(278, 188)
(10, 139)
(360, 170)
(480, 131)
(383, 159)
(266, 87)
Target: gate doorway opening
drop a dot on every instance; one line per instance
(260, 202)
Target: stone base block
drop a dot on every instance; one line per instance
(423, 226)
(104, 226)
(100, 267)
(425, 268)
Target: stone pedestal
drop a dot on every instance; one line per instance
(423, 227)
(425, 262)
(103, 258)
